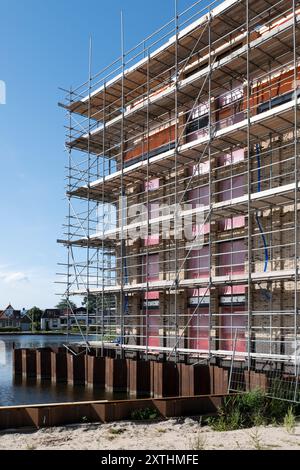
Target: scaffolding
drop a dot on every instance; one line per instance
(197, 123)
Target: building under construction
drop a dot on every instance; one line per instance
(183, 188)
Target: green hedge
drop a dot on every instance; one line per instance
(9, 329)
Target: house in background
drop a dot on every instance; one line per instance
(51, 319)
(11, 318)
(54, 319)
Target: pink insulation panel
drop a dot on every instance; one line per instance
(233, 290)
(231, 158)
(233, 322)
(151, 269)
(201, 168)
(199, 197)
(232, 223)
(231, 188)
(199, 263)
(151, 185)
(231, 259)
(151, 296)
(198, 292)
(153, 320)
(153, 239)
(199, 329)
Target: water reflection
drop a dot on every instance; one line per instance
(18, 391)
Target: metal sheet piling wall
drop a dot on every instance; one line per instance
(59, 367)
(43, 364)
(164, 379)
(95, 371)
(194, 380)
(17, 361)
(43, 416)
(76, 369)
(28, 363)
(136, 377)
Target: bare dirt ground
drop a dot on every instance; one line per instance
(184, 434)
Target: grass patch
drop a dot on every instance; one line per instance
(162, 431)
(116, 431)
(199, 442)
(290, 421)
(256, 439)
(252, 409)
(146, 414)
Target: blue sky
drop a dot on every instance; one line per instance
(44, 45)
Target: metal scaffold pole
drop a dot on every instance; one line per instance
(69, 222)
(123, 208)
(89, 199)
(177, 208)
(104, 282)
(145, 321)
(296, 203)
(249, 185)
(210, 130)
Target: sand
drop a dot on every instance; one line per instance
(175, 434)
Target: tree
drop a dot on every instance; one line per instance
(90, 302)
(35, 315)
(96, 301)
(65, 304)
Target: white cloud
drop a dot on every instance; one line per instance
(26, 288)
(13, 277)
